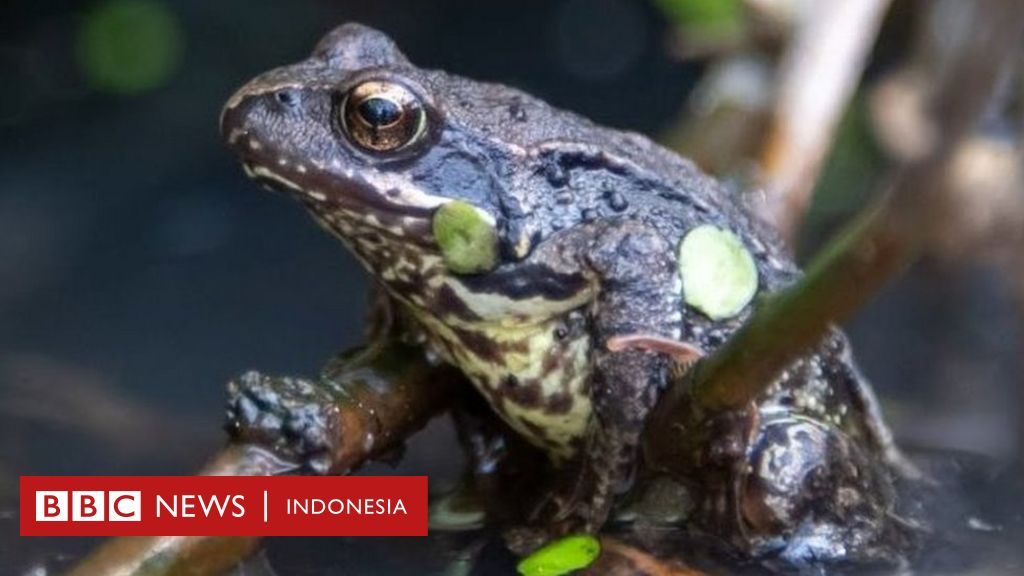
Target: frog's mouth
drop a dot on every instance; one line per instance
(347, 194)
(350, 191)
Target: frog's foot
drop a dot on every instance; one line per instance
(525, 539)
(291, 416)
(522, 540)
(577, 501)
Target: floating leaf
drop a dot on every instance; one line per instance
(561, 556)
(719, 274)
(468, 239)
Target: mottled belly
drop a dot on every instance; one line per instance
(534, 375)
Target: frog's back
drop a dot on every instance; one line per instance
(656, 184)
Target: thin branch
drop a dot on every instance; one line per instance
(819, 73)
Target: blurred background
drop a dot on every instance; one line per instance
(140, 270)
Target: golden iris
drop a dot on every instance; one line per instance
(382, 116)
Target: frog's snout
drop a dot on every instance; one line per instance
(239, 118)
(263, 127)
(232, 123)
(260, 125)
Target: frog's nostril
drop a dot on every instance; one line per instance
(287, 98)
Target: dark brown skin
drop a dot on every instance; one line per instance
(569, 335)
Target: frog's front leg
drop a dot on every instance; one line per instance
(501, 467)
(638, 292)
(364, 405)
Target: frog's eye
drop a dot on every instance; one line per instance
(382, 116)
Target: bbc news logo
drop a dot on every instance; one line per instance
(88, 506)
(223, 506)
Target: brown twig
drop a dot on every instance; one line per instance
(379, 400)
(192, 555)
(818, 75)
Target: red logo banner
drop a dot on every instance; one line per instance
(223, 505)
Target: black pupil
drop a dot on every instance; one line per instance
(379, 112)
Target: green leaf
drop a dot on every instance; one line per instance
(719, 274)
(468, 239)
(561, 556)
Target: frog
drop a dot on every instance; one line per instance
(573, 321)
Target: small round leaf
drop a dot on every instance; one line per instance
(719, 274)
(468, 240)
(561, 556)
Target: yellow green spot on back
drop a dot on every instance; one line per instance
(719, 274)
(468, 242)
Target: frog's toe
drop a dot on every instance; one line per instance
(522, 540)
(552, 508)
(287, 415)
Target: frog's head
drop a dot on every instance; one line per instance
(370, 143)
